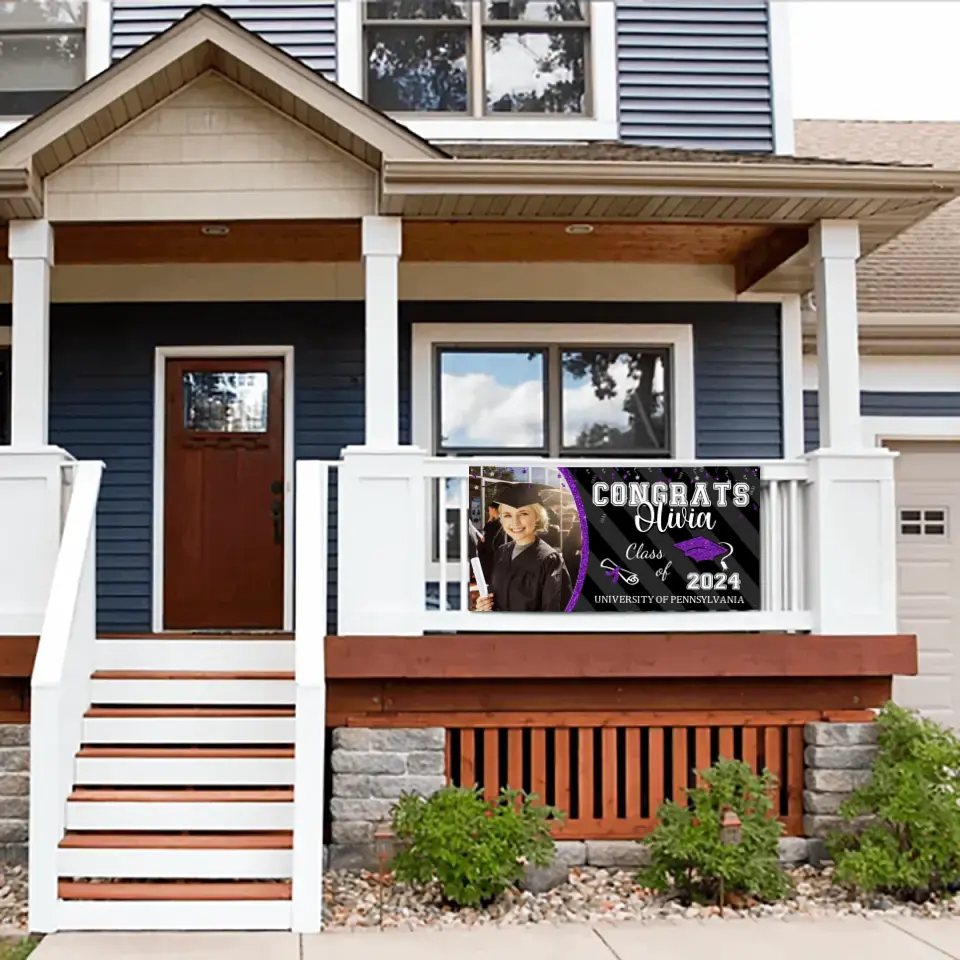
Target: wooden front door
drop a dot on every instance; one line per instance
(223, 495)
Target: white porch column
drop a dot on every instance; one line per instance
(852, 530)
(381, 247)
(33, 487)
(836, 246)
(31, 251)
(382, 524)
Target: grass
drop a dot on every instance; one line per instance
(19, 951)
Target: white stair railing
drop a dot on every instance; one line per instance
(60, 690)
(312, 497)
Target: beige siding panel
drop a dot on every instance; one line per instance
(584, 282)
(212, 151)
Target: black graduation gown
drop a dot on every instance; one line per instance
(537, 580)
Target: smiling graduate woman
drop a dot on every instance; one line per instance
(528, 574)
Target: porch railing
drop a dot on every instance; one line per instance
(784, 604)
(60, 690)
(312, 499)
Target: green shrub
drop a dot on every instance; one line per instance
(19, 951)
(687, 857)
(474, 848)
(908, 842)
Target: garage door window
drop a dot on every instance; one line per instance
(923, 522)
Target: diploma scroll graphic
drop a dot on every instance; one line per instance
(478, 573)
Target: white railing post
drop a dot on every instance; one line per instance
(381, 542)
(32, 490)
(312, 494)
(852, 571)
(60, 692)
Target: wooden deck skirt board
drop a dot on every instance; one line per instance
(585, 656)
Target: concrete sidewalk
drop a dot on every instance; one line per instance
(899, 938)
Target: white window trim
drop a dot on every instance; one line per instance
(878, 430)
(603, 125)
(161, 355)
(778, 13)
(99, 19)
(678, 337)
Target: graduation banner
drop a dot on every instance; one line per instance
(615, 538)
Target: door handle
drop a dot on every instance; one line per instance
(276, 509)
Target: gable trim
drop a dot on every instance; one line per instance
(141, 80)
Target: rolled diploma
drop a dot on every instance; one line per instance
(478, 573)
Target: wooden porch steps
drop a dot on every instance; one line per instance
(183, 786)
(176, 890)
(182, 753)
(265, 840)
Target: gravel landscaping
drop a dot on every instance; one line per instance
(13, 900)
(593, 894)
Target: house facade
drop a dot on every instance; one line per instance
(287, 284)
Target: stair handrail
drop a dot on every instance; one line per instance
(310, 629)
(60, 691)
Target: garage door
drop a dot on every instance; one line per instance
(928, 566)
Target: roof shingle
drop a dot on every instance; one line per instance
(919, 270)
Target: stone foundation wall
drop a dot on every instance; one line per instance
(14, 792)
(838, 759)
(371, 768)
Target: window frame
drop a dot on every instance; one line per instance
(28, 102)
(477, 24)
(429, 338)
(601, 84)
(547, 408)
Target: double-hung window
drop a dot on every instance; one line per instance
(478, 58)
(42, 53)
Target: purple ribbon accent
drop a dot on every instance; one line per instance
(585, 538)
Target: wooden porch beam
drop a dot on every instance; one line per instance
(766, 254)
(543, 656)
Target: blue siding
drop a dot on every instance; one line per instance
(736, 360)
(695, 73)
(101, 407)
(882, 404)
(306, 29)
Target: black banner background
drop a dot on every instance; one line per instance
(662, 568)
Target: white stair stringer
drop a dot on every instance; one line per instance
(181, 815)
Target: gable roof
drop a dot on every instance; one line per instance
(919, 270)
(206, 39)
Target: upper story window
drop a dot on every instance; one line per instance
(477, 58)
(42, 53)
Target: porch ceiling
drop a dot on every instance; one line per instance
(204, 41)
(319, 241)
(784, 196)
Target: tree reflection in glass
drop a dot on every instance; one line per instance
(41, 44)
(414, 68)
(614, 400)
(225, 402)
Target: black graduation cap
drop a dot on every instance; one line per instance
(520, 494)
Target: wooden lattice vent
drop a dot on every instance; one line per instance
(610, 778)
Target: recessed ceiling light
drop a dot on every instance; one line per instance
(214, 230)
(580, 228)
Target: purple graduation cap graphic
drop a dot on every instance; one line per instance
(702, 548)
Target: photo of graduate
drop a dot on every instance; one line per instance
(528, 574)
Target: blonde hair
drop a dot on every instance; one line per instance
(543, 518)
